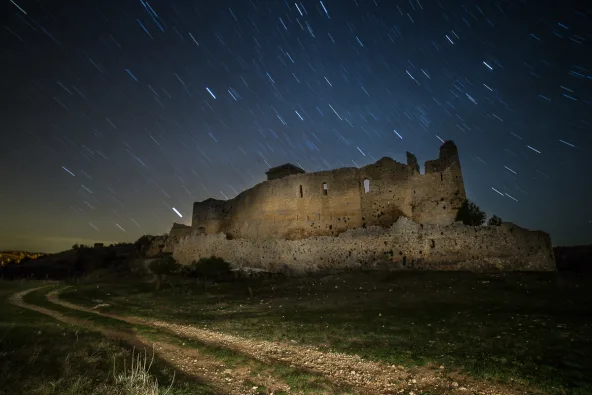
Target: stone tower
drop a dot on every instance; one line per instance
(438, 195)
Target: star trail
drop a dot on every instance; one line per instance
(118, 115)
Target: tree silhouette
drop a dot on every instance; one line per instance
(212, 267)
(470, 214)
(163, 266)
(494, 221)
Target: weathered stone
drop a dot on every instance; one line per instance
(385, 215)
(405, 245)
(293, 205)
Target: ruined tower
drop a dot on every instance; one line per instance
(438, 195)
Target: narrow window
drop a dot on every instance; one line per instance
(325, 189)
(441, 177)
(366, 185)
(300, 190)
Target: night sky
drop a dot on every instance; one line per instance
(114, 114)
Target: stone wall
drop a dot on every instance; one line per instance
(405, 245)
(165, 244)
(327, 203)
(440, 192)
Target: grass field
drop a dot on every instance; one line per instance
(531, 329)
(39, 355)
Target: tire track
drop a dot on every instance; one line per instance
(186, 360)
(366, 376)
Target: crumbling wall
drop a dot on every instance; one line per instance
(166, 243)
(327, 203)
(405, 245)
(440, 192)
(386, 188)
(211, 214)
(177, 232)
(296, 206)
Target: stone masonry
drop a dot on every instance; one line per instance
(385, 215)
(404, 245)
(293, 204)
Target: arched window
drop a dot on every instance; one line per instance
(366, 185)
(325, 188)
(300, 190)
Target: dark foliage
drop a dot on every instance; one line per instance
(208, 268)
(143, 243)
(494, 221)
(80, 261)
(470, 214)
(574, 259)
(164, 265)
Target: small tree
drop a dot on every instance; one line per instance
(494, 221)
(212, 267)
(143, 243)
(163, 266)
(470, 214)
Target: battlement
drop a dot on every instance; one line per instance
(293, 204)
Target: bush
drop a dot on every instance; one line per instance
(494, 221)
(212, 268)
(470, 214)
(143, 243)
(162, 266)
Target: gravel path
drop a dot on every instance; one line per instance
(187, 360)
(366, 377)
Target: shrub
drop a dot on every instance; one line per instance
(470, 214)
(212, 268)
(494, 221)
(143, 243)
(162, 266)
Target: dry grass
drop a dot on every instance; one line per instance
(137, 380)
(41, 356)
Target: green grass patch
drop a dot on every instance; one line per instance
(530, 328)
(306, 382)
(39, 355)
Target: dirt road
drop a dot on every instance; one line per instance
(187, 360)
(364, 376)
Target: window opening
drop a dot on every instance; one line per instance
(366, 185)
(300, 190)
(325, 189)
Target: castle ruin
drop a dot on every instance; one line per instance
(293, 204)
(383, 214)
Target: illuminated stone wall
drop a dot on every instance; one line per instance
(300, 206)
(404, 245)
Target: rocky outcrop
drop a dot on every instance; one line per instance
(405, 245)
